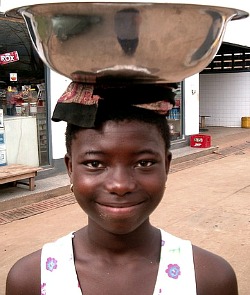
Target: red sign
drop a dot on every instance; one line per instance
(8, 57)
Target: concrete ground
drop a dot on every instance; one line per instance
(206, 201)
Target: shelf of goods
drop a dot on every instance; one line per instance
(174, 121)
(42, 134)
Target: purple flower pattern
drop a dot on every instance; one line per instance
(43, 291)
(51, 264)
(173, 271)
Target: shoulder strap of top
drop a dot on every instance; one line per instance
(58, 273)
(176, 274)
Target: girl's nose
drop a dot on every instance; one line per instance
(120, 181)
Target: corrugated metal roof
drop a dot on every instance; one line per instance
(230, 58)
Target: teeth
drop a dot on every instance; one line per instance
(118, 206)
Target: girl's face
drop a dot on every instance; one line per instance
(119, 174)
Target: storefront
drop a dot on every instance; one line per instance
(23, 99)
(175, 116)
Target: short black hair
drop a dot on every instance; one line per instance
(122, 113)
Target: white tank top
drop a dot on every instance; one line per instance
(176, 273)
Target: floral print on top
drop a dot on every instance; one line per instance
(51, 264)
(176, 273)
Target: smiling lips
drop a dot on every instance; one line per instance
(119, 207)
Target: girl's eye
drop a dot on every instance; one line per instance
(94, 164)
(145, 163)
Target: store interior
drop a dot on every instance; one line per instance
(22, 92)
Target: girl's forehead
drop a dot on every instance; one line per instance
(121, 132)
(122, 128)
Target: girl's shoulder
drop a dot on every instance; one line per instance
(214, 275)
(24, 276)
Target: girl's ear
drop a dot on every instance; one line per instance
(168, 159)
(68, 162)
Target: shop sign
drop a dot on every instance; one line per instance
(8, 57)
(13, 77)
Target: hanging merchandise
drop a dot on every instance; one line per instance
(25, 109)
(41, 94)
(33, 108)
(18, 109)
(13, 77)
(11, 100)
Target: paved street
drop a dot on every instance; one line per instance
(206, 200)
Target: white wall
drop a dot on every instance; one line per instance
(58, 85)
(225, 97)
(191, 108)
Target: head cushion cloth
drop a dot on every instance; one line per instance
(79, 103)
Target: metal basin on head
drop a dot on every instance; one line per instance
(133, 42)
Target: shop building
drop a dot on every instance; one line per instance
(225, 87)
(23, 100)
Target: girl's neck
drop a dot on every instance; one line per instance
(141, 241)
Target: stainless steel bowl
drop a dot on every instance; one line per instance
(139, 42)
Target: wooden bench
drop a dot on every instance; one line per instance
(16, 172)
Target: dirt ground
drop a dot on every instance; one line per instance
(207, 203)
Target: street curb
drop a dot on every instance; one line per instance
(193, 154)
(21, 201)
(36, 208)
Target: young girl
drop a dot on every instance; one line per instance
(118, 161)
